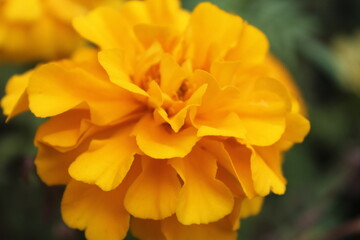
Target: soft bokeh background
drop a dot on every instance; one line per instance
(319, 41)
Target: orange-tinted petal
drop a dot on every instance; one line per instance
(229, 126)
(203, 198)
(211, 39)
(297, 127)
(63, 130)
(101, 214)
(251, 48)
(173, 230)
(177, 121)
(55, 89)
(107, 161)
(158, 141)
(106, 28)
(114, 62)
(251, 207)
(146, 229)
(266, 173)
(52, 165)
(15, 100)
(172, 75)
(235, 158)
(153, 195)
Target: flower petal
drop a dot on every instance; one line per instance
(153, 195)
(100, 213)
(203, 198)
(107, 160)
(211, 39)
(262, 106)
(167, 12)
(234, 216)
(63, 130)
(297, 127)
(172, 75)
(158, 141)
(263, 131)
(224, 72)
(149, 34)
(177, 121)
(235, 158)
(279, 72)
(106, 28)
(55, 89)
(251, 207)
(114, 62)
(146, 229)
(50, 93)
(229, 126)
(266, 173)
(263, 97)
(173, 230)
(15, 100)
(52, 165)
(251, 48)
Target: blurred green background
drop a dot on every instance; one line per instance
(317, 40)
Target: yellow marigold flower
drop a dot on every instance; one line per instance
(179, 121)
(32, 30)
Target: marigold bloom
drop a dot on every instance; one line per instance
(178, 121)
(32, 30)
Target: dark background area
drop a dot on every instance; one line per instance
(322, 202)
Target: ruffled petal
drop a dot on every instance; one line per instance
(146, 229)
(203, 198)
(107, 28)
(52, 165)
(278, 71)
(251, 207)
(55, 89)
(172, 75)
(263, 97)
(210, 40)
(62, 131)
(149, 34)
(114, 62)
(177, 120)
(297, 127)
(235, 158)
(158, 141)
(263, 131)
(15, 100)
(153, 195)
(101, 214)
(156, 12)
(262, 107)
(266, 173)
(107, 161)
(251, 47)
(228, 126)
(173, 230)
(234, 216)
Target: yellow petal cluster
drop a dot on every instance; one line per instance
(33, 30)
(175, 127)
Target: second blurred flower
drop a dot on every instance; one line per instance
(38, 30)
